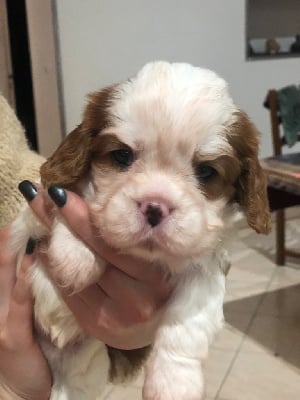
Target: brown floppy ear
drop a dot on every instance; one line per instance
(72, 159)
(69, 162)
(251, 185)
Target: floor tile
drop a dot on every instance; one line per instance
(265, 244)
(231, 336)
(221, 398)
(125, 393)
(243, 297)
(248, 267)
(285, 276)
(277, 336)
(106, 392)
(256, 376)
(215, 369)
(284, 302)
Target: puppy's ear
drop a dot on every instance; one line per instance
(69, 162)
(72, 159)
(251, 185)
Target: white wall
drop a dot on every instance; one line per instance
(105, 41)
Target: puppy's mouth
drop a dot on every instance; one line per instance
(155, 240)
(148, 245)
(151, 226)
(150, 236)
(153, 247)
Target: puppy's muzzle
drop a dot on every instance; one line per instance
(154, 211)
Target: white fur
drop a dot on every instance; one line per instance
(167, 113)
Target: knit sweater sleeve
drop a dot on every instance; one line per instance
(17, 162)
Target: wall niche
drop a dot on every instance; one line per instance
(272, 29)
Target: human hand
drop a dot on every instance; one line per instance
(24, 372)
(122, 309)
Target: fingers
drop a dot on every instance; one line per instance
(21, 307)
(73, 209)
(76, 213)
(15, 294)
(16, 317)
(96, 313)
(38, 201)
(138, 301)
(22, 290)
(91, 307)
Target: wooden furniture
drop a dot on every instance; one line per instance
(283, 172)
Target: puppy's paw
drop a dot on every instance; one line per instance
(173, 380)
(73, 264)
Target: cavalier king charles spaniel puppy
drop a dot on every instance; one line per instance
(166, 162)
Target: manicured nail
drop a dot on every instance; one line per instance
(58, 195)
(28, 190)
(30, 246)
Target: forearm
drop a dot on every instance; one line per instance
(6, 393)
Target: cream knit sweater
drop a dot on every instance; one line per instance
(17, 162)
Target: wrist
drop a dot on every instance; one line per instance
(6, 393)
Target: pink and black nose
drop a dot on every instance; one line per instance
(154, 211)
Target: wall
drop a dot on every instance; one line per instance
(105, 41)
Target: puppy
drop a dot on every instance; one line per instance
(166, 162)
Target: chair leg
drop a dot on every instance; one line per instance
(280, 237)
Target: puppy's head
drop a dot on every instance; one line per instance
(168, 157)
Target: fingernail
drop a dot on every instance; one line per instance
(58, 195)
(28, 190)
(30, 246)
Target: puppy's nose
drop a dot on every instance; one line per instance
(154, 211)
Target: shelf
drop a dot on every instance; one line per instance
(267, 56)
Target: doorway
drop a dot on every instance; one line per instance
(29, 73)
(21, 68)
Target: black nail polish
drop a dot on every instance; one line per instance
(30, 246)
(28, 190)
(58, 195)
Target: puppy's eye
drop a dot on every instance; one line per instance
(122, 158)
(205, 172)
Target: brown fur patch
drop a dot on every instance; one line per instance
(71, 161)
(103, 146)
(223, 184)
(126, 363)
(252, 185)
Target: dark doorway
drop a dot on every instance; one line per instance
(20, 55)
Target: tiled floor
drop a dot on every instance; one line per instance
(257, 354)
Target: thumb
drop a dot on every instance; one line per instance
(22, 294)
(21, 307)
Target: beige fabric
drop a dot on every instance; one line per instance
(17, 162)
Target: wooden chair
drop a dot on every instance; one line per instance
(279, 197)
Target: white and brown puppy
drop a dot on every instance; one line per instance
(165, 161)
